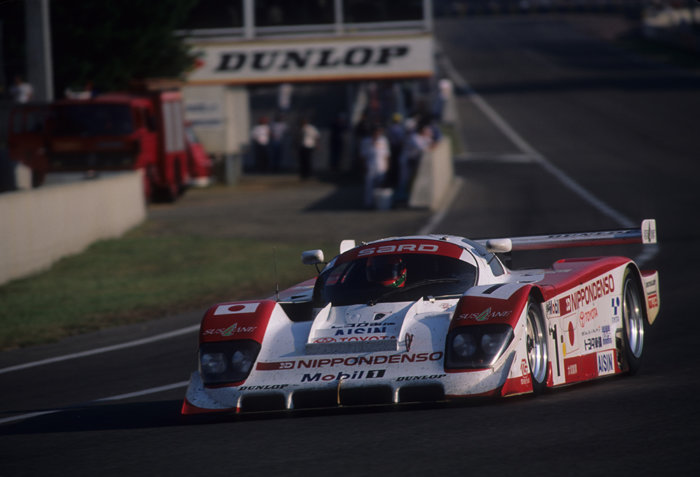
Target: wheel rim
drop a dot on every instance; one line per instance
(633, 320)
(536, 346)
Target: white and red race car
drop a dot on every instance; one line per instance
(428, 318)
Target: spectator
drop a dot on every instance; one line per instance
(337, 141)
(308, 142)
(396, 135)
(260, 136)
(375, 152)
(362, 131)
(443, 96)
(21, 91)
(278, 135)
(416, 143)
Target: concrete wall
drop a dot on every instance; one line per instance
(434, 178)
(40, 226)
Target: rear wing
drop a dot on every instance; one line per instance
(645, 234)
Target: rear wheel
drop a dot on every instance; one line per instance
(536, 342)
(632, 324)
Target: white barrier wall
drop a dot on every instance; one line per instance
(40, 226)
(434, 177)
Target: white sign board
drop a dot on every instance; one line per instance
(313, 60)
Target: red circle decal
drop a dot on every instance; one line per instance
(572, 337)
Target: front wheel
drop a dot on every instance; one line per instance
(632, 324)
(536, 342)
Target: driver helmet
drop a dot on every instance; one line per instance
(388, 271)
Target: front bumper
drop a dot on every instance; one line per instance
(346, 387)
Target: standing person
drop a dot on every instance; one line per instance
(278, 135)
(260, 136)
(416, 143)
(337, 141)
(21, 91)
(396, 135)
(375, 152)
(308, 142)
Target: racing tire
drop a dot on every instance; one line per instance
(536, 344)
(633, 324)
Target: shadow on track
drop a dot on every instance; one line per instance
(161, 414)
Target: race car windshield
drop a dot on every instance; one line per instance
(393, 278)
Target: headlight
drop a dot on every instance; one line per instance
(212, 363)
(477, 346)
(464, 345)
(227, 361)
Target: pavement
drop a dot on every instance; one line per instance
(284, 207)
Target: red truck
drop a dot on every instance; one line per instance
(121, 131)
(27, 136)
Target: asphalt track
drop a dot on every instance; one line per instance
(564, 132)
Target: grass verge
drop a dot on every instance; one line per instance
(140, 277)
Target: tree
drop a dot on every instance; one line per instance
(112, 44)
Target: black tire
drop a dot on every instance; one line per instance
(537, 354)
(633, 324)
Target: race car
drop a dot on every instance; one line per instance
(428, 318)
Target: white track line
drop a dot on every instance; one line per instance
(118, 397)
(105, 349)
(529, 151)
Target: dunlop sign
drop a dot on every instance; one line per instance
(334, 59)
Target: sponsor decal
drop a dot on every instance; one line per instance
(653, 300)
(405, 56)
(282, 60)
(606, 363)
(360, 330)
(615, 303)
(525, 376)
(230, 331)
(264, 387)
(404, 247)
(236, 309)
(572, 333)
(420, 378)
(607, 335)
(279, 365)
(595, 342)
(361, 325)
(345, 339)
(485, 315)
(571, 369)
(409, 341)
(318, 377)
(372, 360)
(327, 339)
(551, 308)
(586, 294)
(586, 317)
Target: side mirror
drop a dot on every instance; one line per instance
(312, 257)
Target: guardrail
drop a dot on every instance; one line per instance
(40, 226)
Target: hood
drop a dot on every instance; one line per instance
(357, 328)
